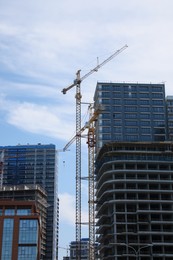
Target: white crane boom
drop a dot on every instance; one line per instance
(94, 69)
(87, 125)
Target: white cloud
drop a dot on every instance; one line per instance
(67, 209)
(58, 40)
(39, 119)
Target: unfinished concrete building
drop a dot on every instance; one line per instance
(135, 200)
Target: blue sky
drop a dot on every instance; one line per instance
(43, 44)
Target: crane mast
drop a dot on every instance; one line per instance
(78, 169)
(90, 125)
(77, 83)
(91, 184)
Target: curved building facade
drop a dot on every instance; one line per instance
(134, 183)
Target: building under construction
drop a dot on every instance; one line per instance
(135, 200)
(134, 172)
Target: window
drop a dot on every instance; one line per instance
(9, 212)
(145, 116)
(117, 94)
(158, 109)
(145, 137)
(117, 137)
(117, 115)
(144, 95)
(131, 123)
(129, 88)
(27, 252)
(130, 95)
(117, 108)
(130, 102)
(145, 130)
(117, 129)
(117, 122)
(131, 138)
(23, 212)
(157, 102)
(130, 108)
(157, 95)
(106, 94)
(131, 130)
(106, 136)
(106, 87)
(145, 109)
(144, 88)
(158, 116)
(116, 88)
(117, 101)
(106, 129)
(105, 115)
(144, 102)
(105, 101)
(159, 123)
(7, 239)
(157, 89)
(145, 123)
(130, 115)
(105, 122)
(28, 232)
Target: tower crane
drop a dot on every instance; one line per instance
(90, 125)
(78, 96)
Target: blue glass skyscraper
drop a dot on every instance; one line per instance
(36, 164)
(132, 112)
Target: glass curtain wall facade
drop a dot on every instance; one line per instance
(36, 164)
(19, 231)
(19, 200)
(169, 104)
(132, 112)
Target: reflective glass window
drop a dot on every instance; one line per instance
(145, 116)
(105, 101)
(106, 94)
(27, 253)
(28, 231)
(144, 109)
(23, 212)
(130, 102)
(130, 108)
(144, 102)
(9, 212)
(131, 123)
(7, 239)
(130, 115)
(144, 95)
(158, 109)
(157, 89)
